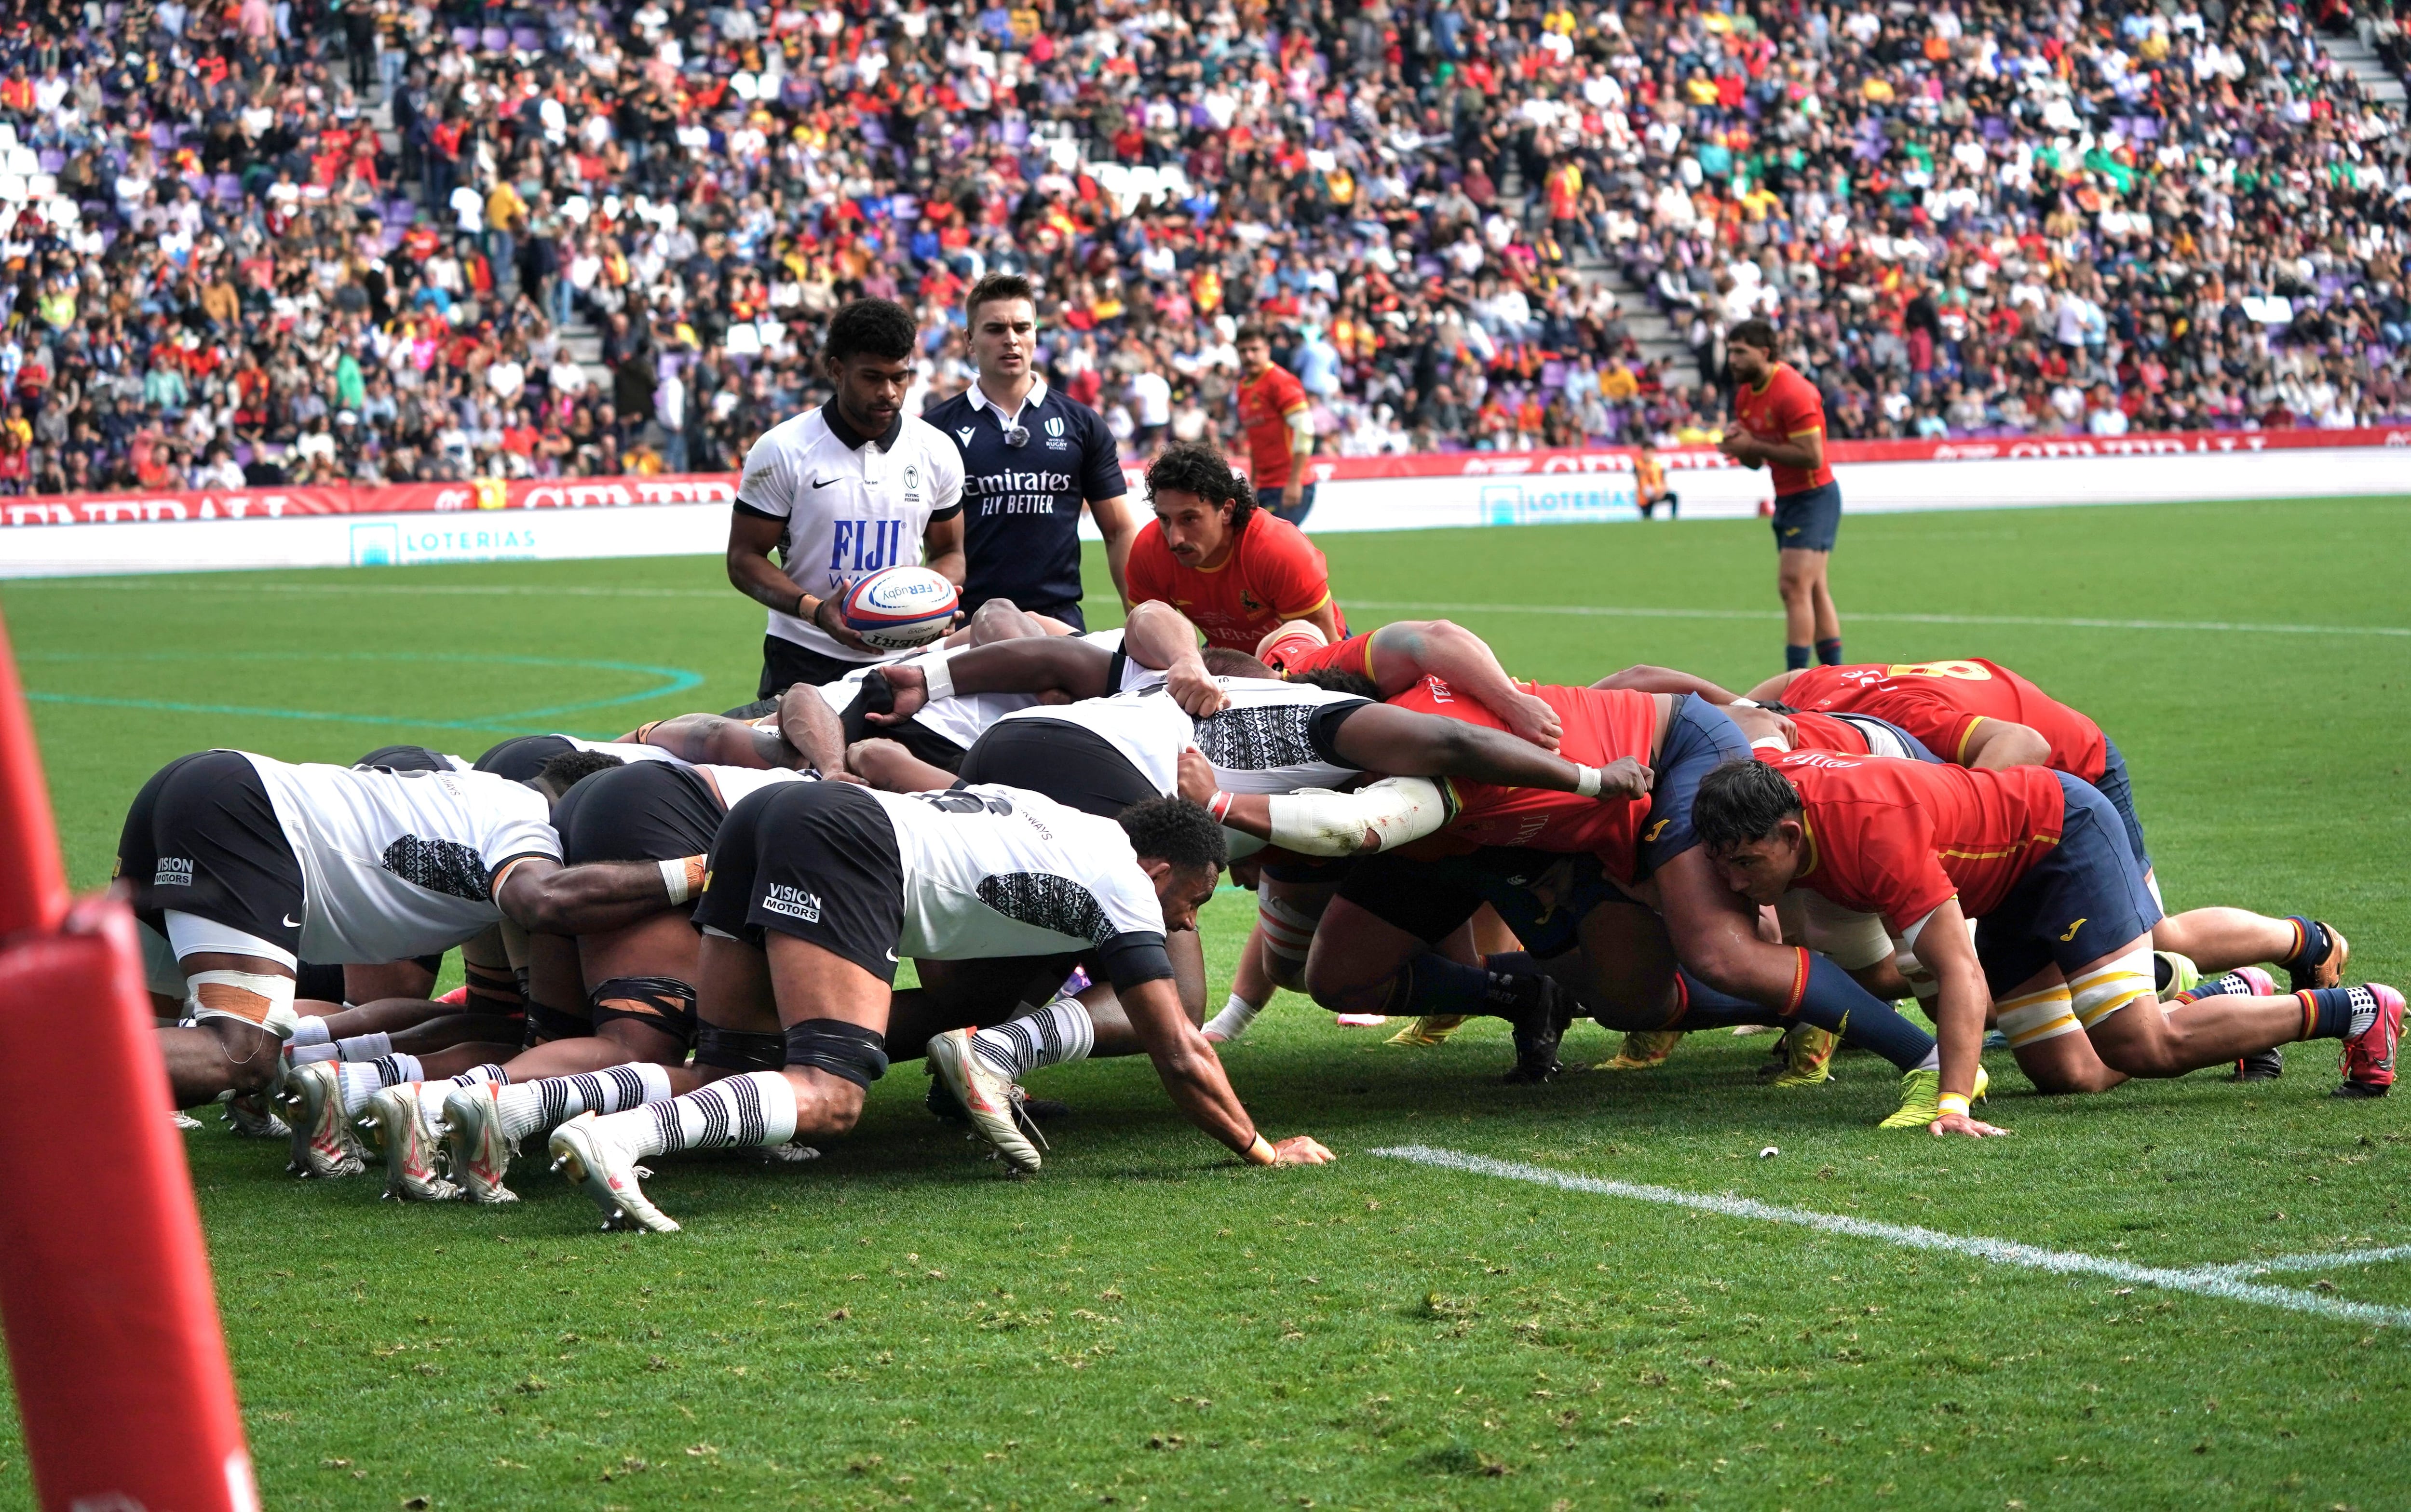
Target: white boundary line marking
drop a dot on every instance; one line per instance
(1590, 610)
(2306, 1262)
(2210, 1281)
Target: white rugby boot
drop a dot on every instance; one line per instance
(597, 1165)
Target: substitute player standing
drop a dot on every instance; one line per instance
(1779, 424)
(1233, 569)
(1273, 411)
(840, 492)
(1030, 456)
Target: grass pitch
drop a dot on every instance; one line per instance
(1146, 1322)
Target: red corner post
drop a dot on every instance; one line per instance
(112, 1324)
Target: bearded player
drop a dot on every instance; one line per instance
(1218, 557)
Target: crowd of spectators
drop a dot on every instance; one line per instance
(283, 241)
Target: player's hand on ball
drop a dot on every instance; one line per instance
(1625, 778)
(1302, 1150)
(829, 615)
(909, 692)
(1961, 1124)
(1194, 776)
(1197, 692)
(1531, 718)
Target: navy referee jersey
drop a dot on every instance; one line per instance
(1021, 504)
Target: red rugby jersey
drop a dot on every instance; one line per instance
(1902, 838)
(1599, 726)
(1787, 407)
(1354, 654)
(1273, 574)
(1941, 702)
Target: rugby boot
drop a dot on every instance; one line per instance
(472, 1136)
(250, 1117)
(583, 1150)
(2316, 968)
(1921, 1097)
(325, 1143)
(1430, 1029)
(2368, 1060)
(410, 1146)
(1642, 1050)
(986, 1096)
(1539, 1024)
(1807, 1057)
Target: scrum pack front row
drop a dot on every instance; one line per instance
(689, 938)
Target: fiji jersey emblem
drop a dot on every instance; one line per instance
(912, 479)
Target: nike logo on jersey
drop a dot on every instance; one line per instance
(891, 956)
(823, 483)
(1656, 830)
(291, 922)
(2071, 931)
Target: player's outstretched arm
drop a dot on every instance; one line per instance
(1036, 664)
(1998, 745)
(542, 896)
(716, 740)
(1943, 946)
(1644, 678)
(1405, 651)
(811, 728)
(1185, 1061)
(1403, 743)
(1160, 636)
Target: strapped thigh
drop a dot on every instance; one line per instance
(2036, 1016)
(664, 1004)
(2105, 990)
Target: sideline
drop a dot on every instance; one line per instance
(2220, 1281)
(1588, 611)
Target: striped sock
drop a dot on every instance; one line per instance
(2231, 984)
(2336, 1013)
(1060, 1034)
(755, 1108)
(432, 1094)
(527, 1107)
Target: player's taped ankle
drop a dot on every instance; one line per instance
(663, 1003)
(2036, 1016)
(2105, 990)
(736, 1050)
(844, 1049)
(262, 1001)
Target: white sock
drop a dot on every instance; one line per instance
(1933, 1061)
(310, 1030)
(365, 1046)
(311, 1055)
(757, 1108)
(356, 1080)
(432, 1094)
(528, 1107)
(1060, 1034)
(1235, 1018)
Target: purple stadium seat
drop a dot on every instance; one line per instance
(466, 36)
(51, 159)
(495, 38)
(526, 40)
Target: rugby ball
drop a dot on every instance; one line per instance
(898, 608)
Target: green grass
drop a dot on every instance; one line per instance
(1146, 1323)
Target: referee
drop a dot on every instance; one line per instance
(1030, 457)
(841, 492)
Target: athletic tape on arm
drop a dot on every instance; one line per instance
(1395, 811)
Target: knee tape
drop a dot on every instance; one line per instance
(663, 1003)
(857, 1054)
(2035, 1017)
(737, 1051)
(1288, 929)
(264, 1003)
(493, 993)
(2105, 990)
(546, 1023)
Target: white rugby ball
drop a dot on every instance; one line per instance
(898, 608)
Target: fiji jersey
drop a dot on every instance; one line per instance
(735, 784)
(995, 871)
(401, 863)
(1274, 737)
(1941, 702)
(851, 505)
(1902, 838)
(1599, 726)
(965, 716)
(628, 750)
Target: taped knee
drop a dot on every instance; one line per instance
(1288, 929)
(843, 1050)
(2105, 990)
(734, 1050)
(264, 1003)
(2036, 1016)
(546, 1024)
(664, 1004)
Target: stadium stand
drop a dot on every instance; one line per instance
(275, 242)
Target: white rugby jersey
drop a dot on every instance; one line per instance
(992, 871)
(627, 750)
(1261, 743)
(735, 784)
(400, 864)
(852, 505)
(966, 716)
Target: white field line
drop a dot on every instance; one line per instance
(2306, 1262)
(2221, 1282)
(1605, 612)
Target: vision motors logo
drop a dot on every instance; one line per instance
(174, 871)
(792, 903)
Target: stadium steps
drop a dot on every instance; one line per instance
(1651, 331)
(2355, 57)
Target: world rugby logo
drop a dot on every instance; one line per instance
(1055, 425)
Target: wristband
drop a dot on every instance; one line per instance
(812, 614)
(1588, 783)
(935, 677)
(1743, 703)
(1219, 807)
(683, 877)
(1950, 1102)
(1261, 1153)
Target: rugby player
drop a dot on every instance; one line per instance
(2061, 951)
(1779, 424)
(1235, 570)
(240, 866)
(841, 492)
(815, 890)
(1279, 427)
